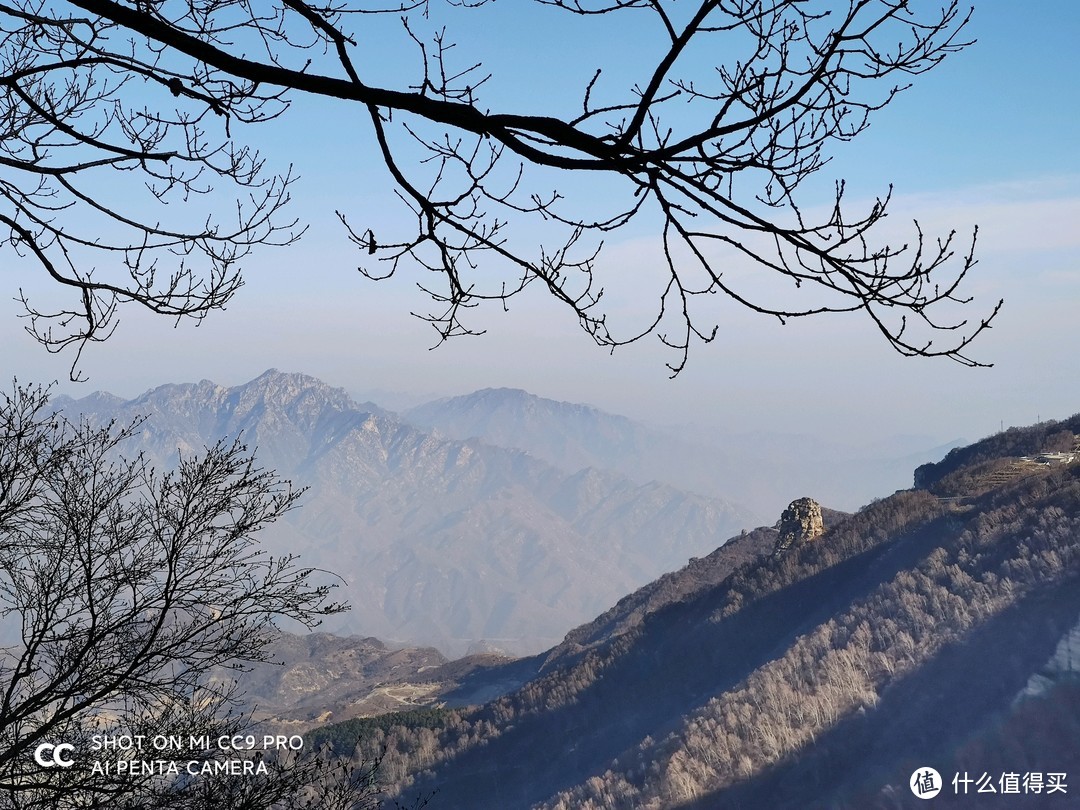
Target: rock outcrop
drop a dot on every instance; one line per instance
(800, 523)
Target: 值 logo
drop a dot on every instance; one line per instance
(925, 783)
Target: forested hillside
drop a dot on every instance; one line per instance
(821, 676)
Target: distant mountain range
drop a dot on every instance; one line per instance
(442, 541)
(765, 471)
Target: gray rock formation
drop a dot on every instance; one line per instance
(800, 523)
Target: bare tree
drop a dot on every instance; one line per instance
(711, 155)
(121, 589)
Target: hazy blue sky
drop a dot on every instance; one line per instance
(991, 137)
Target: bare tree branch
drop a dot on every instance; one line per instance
(121, 589)
(714, 160)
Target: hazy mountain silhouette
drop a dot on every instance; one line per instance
(764, 470)
(441, 541)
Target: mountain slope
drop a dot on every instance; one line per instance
(441, 542)
(309, 673)
(820, 677)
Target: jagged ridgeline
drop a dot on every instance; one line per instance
(441, 541)
(935, 627)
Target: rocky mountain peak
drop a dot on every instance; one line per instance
(290, 392)
(800, 523)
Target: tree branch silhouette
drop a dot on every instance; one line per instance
(711, 157)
